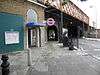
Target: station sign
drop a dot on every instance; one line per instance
(50, 21)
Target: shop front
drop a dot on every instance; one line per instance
(34, 34)
(52, 30)
(21, 25)
(34, 29)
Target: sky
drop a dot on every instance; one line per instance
(92, 9)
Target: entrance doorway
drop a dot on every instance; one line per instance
(52, 33)
(32, 37)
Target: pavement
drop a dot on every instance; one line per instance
(93, 39)
(53, 59)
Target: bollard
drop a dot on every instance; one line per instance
(5, 65)
(29, 57)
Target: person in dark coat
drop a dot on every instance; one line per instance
(72, 34)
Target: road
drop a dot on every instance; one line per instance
(91, 47)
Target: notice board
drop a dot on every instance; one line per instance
(11, 37)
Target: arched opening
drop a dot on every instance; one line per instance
(31, 16)
(32, 31)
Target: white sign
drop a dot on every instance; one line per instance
(11, 37)
(50, 21)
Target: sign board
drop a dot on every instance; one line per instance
(11, 37)
(50, 21)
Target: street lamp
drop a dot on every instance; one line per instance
(95, 25)
(63, 2)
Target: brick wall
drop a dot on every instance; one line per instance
(21, 7)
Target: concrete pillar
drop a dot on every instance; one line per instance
(25, 38)
(38, 43)
(43, 36)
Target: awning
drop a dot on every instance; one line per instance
(35, 24)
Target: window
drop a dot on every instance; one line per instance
(31, 16)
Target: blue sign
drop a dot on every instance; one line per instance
(35, 24)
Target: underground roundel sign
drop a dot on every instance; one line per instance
(50, 21)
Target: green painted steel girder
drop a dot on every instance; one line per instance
(65, 2)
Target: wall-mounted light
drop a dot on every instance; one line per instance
(83, 0)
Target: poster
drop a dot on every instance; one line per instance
(11, 37)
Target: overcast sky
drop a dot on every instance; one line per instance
(92, 9)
